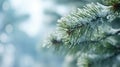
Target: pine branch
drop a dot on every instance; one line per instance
(84, 30)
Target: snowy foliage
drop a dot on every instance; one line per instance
(87, 34)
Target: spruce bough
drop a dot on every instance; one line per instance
(88, 35)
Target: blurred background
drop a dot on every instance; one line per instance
(24, 24)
